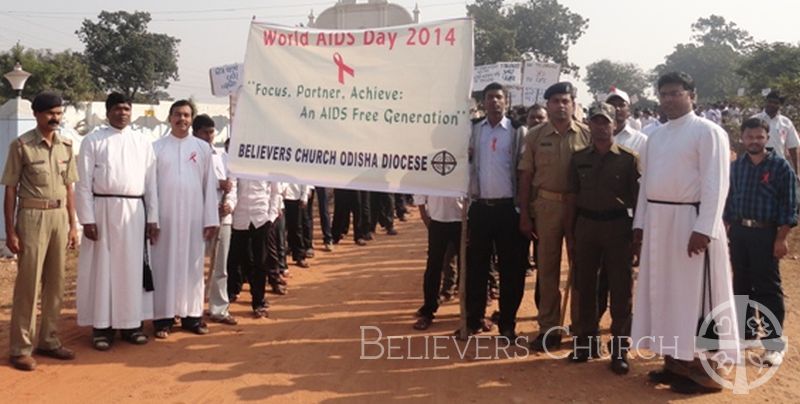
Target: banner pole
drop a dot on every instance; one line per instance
(462, 272)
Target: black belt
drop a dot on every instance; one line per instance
(495, 201)
(695, 204)
(603, 215)
(754, 224)
(118, 196)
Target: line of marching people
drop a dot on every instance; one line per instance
(151, 213)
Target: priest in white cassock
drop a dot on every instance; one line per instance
(678, 220)
(187, 200)
(116, 191)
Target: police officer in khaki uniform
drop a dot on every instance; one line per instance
(542, 194)
(603, 186)
(38, 176)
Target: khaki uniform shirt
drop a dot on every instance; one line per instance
(604, 182)
(41, 171)
(546, 154)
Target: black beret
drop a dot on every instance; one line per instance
(564, 87)
(775, 95)
(45, 101)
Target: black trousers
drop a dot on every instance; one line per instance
(347, 202)
(756, 274)
(257, 248)
(441, 236)
(400, 202)
(296, 226)
(308, 223)
(494, 226)
(324, 216)
(381, 210)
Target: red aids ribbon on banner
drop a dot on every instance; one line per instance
(343, 68)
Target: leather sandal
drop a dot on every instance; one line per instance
(101, 343)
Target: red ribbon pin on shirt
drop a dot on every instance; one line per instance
(193, 157)
(343, 68)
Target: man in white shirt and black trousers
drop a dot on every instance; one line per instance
(494, 150)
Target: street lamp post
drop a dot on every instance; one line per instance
(17, 78)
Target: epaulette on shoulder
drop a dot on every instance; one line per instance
(627, 150)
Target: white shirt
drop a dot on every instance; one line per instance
(297, 192)
(220, 160)
(634, 123)
(649, 129)
(257, 202)
(782, 134)
(631, 138)
(496, 160)
(441, 208)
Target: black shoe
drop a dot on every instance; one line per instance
(688, 386)
(368, 236)
(391, 232)
(510, 334)
(619, 365)
(662, 376)
(542, 344)
(579, 355)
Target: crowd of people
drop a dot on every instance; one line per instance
(667, 198)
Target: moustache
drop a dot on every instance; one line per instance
(53, 122)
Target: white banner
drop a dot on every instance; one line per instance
(226, 80)
(536, 77)
(377, 109)
(505, 73)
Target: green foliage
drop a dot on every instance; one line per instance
(714, 30)
(123, 56)
(64, 72)
(773, 65)
(544, 28)
(604, 74)
(712, 60)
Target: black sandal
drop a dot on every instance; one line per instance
(101, 343)
(136, 338)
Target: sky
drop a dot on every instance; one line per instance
(214, 33)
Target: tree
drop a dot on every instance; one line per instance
(604, 74)
(713, 60)
(64, 72)
(713, 68)
(770, 64)
(543, 27)
(123, 56)
(714, 30)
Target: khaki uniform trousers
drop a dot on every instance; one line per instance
(549, 216)
(40, 267)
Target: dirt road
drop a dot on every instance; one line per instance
(310, 348)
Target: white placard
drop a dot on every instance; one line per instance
(225, 80)
(536, 77)
(505, 73)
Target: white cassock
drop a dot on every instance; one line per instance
(115, 163)
(686, 160)
(187, 197)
